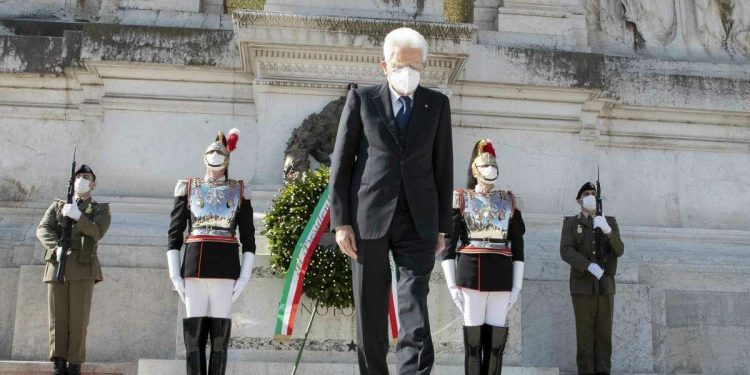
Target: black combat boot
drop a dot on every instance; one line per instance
(220, 330)
(74, 369)
(60, 366)
(195, 331)
(472, 350)
(499, 338)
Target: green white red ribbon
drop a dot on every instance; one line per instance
(303, 252)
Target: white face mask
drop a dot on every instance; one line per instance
(82, 185)
(215, 161)
(589, 202)
(405, 80)
(489, 173)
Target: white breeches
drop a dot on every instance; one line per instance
(485, 307)
(208, 297)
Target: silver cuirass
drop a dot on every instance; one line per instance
(214, 206)
(487, 217)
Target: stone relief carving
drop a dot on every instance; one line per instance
(315, 137)
(720, 28)
(725, 24)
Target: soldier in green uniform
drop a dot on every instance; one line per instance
(592, 280)
(69, 302)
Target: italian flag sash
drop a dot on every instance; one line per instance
(303, 252)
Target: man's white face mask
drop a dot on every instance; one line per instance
(589, 202)
(82, 185)
(215, 161)
(405, 80)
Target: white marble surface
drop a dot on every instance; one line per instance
(421, 10)
(549, 327)
(132, 316)
(153, 367)
(8, 293)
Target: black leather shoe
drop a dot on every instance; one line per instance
(74, 369)
(60, 366)
(220, 331)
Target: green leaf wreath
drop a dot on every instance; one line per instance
(328, 278)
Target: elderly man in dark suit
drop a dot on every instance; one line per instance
(391, 184)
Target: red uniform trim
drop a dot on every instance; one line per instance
(209, 238)
(484, 250)
(200, 259)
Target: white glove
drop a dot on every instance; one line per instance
(71, 210)
(601, 222)
(449, 270)
(595, 270)
(58, 253)
(245, 272)
(173, 261)
(517, 283)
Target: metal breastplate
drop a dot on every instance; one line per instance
(487, 218)
(214, 206)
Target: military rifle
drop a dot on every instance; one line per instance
(65, 241)
(601, 260)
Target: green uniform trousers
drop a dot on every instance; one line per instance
(594, 315)
(69, 305)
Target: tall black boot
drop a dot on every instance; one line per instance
(220, 330)
(74, 369)
(486, 347)
(472, 347)
(499, 338)
(60, 366)
(195, 331)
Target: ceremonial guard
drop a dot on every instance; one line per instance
(591, 244)
(70, 290)
(214, 211)
(483, 261)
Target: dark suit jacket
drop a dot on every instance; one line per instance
(369, 165)
(577, 248)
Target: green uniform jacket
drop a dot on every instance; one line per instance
(82, 263)
(578, 248)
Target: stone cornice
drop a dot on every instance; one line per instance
(376, 28)
(330, 52)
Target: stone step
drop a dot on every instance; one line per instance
(159, 367)
(32, 367)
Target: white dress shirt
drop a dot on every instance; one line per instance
(396, 103)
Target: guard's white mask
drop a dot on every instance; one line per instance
(82, 185)
(215, 161)
(589, 202)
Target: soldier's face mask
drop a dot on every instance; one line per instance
(82, 185)
(485, 168)
(589, 203)
(215, 160)
(216, 156)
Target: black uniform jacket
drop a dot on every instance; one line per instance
(206, 259)
(484, 272)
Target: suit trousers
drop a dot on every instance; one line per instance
(593, 315)
(414, 258)
(69, 306)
